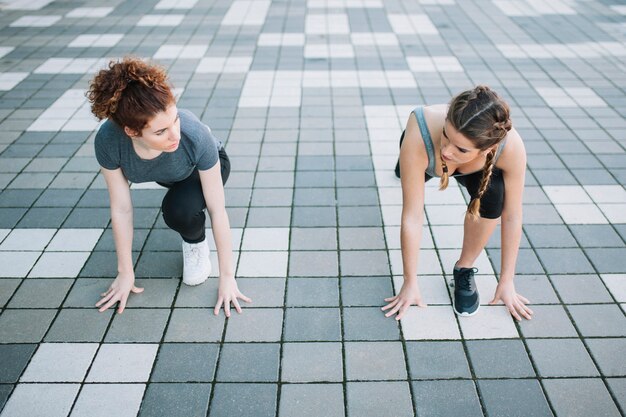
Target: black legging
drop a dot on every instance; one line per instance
(183, 205)
(492, 201)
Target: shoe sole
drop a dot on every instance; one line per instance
(466, 314)
(205, 275)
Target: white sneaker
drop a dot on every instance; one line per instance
(197, 265)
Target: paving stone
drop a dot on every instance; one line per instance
(249, 362)
(359, 263)
(194, 325)
(550, 236)
(319, 238)
(313, 292)
(595, 235)
(364, 291)
(374, 361)
(313, 264)
(607, 353)
(369, 324)
(360, 216)
(369, 399)
(160, 265)
(94, 400)
(536, 288)
(608, 260)
(79, 325)
(60, 362)
(575, 289)
(437, 360)
(122, 363)
(446, 398)
(255, 325)
(561, 358)
(13, 360)
(157, 293)
(175, 400)
(311, 400)
(312, 362)
(245, 400)
(598, 320)
(580, 397)
(5, 391)
(47, 293)
(185, 362)
(499, 359)
(7, 288)
(44, 218)
(138, 325)
(24, 326)
(513, 397)
(618, 388)
(548, 321)
(41, 400)
(312, 324)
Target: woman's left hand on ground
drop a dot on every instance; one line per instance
(514, 302)
(228, 293)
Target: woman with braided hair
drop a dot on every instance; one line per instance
(471, 139)
(147, 138)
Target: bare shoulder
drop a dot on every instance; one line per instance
(513, 156)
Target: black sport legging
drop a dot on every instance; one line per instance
(492, 202)
(183, 205)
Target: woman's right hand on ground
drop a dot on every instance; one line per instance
(119, 290)
(409, 294)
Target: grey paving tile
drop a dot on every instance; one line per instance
(361, 238)
(363, 263)
(159, 265)
(47, 293)
(157, 293)
(319, 238)
(360, 216)
(596, 235)
(313, 264)
(312, 324)
(269, 217)
(608, 355)
(536, 288)
(608, 260)
(513, 397)
(41, 400)
(94, 400)
(561, 358)
(144, 325)
(255, 325)
(13, 360)
(312, 362)
(369, 323)
(598, 320)
(364, 291)
(249, 362)
(575, 289)
(185, 362)
(499, 359)
(565, 261)
(246, 400)
(24, 326)
(7, 288)
(175, 400)
(44, 218)
(446, 398)
(618, 388)
(79, 325)
(313, 292)
(580, 397)
(374, 361)
(194, 325)
(5, 392)
(369, 399)
(550, 236)
(267, 292)
(548, 321)
(314, 197)
(311, 400)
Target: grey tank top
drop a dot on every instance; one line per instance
(430, 147)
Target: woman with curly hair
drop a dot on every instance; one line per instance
(147, 138)
(473, 140)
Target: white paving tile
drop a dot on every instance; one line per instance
(228, 65)
(263, 264)
(71, 65)
(430, 323)
(434, 64)
(59, 265)
(281, 39)
(615, 213)
(180, 51)
(606, 193)
(486, 285)
(35, 21)
(428, 262)
(446, 215)
(344, 4)
(123, 363)
(175, 4)
(103, 40)
(27, 240)
(89, 12)
(161, 20)
(616, 283)
(4, 233)
(412, 24)
(69, 113)
(246, 13)
(4, 50)
(433, 288)
(534, 7)
(41, 400)
(581, 214)
(618, 8)
(374, 38)
(95, 400)
(75, 240)
(17, 264)
(328, 51)
(267, 239)
(566, 194)
(490, 322)
(327, 24)
(8, 80)
(60, 362)
(236, 234)
(448, 237)
(25, 4)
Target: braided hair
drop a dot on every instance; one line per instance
(130, 92)
(481, 116)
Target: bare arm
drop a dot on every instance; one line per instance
(122, 223)
(413, 162)
(213, 191)
(513, 163)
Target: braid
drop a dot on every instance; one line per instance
(490, 162)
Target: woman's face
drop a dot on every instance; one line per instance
(456, 148)
(162, 132)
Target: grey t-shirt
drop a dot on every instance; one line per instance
(198, 149)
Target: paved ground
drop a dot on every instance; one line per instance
(310, 97)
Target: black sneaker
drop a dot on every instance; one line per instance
(397, 170)
(466, 301)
